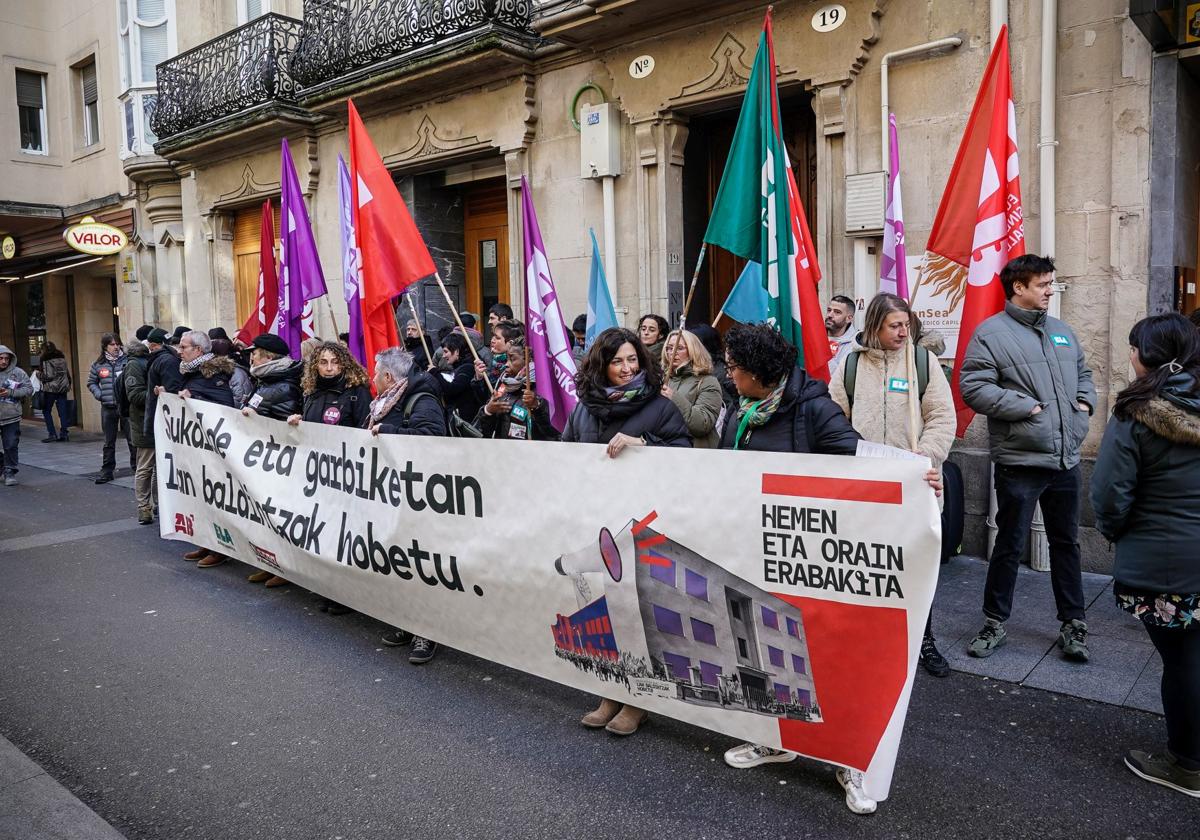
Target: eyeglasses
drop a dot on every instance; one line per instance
(731, 365)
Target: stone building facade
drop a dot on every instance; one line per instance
(463, 97)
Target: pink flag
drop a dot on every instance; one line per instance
(549, 346)
(893, 271)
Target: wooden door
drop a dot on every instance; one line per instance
(485, 242)
(247, 236)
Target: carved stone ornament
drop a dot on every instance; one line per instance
(428, 143)
(249, 188)
(729, 69)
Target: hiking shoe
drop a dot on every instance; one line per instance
(210, 560)
(992, 636)
(145, 517)
(856, 798)
(103, 479)
(259, 577)
(274, 581)
(396, 638)
(1163, 769)
(422, 650)
(745, 756)
(1072, 638)
(932, 660)
(195, 554)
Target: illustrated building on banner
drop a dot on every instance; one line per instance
(668, 622)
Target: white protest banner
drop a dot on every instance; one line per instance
(776, 598)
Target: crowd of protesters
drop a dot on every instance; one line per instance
(1023, 370)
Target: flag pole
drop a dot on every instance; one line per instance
(687, 304)
(454, 311)
(420, 330)
(913, 393)
(332, 317)
(717, 320)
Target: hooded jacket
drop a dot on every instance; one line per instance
(880, 412)
(277, 391)
(55, 376)
(807, 420)
(700, 401)
(1018, 359)
(1146, 491)
(840, 347)
(16, 382)
(164, 371)
(135, 393)
(211, 381)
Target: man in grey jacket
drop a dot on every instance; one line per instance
(1026, 372)
(14, 387)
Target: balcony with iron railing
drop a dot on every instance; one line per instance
(277, 66)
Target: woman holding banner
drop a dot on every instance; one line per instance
(874, 385)
(1146, 495)
(336, 388)
(692, 387)
(620, 405)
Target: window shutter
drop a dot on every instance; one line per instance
(29, 89)
(254, 8)
(88, 74)
(151, 11)
(154, 50)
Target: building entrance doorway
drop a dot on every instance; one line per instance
(485, 241)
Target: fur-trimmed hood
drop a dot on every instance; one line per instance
(1169, 420)
(216, 366)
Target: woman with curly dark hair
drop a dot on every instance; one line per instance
(620, 405)
(335, 386)
(652, 330)
(1146, 495)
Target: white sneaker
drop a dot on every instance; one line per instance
(856, 799)
(745, 756)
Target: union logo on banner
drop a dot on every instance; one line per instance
(267, 557)
(185, 524)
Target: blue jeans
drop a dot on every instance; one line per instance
(10, 437)
(1018, 489)
(49, 401)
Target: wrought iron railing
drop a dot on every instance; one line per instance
(341, 36)
(248, 66)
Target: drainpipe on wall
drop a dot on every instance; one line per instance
(610, 244)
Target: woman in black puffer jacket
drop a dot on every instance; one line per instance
(336, 389)
(1146, 496)
(620, 405)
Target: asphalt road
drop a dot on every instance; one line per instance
(187, 703)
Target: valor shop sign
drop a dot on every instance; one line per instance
(95, 238)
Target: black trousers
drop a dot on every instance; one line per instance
(1180, 652)
(113, 423)
(1018, 490)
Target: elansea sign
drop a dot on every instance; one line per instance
(95, 238)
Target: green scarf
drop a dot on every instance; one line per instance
(755, 413)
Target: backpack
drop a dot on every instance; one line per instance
(411, 402)
(850, 374)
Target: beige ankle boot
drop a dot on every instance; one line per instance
(602, 715)
(627, 721)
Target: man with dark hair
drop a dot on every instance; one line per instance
(579, 334)
(498, 312)
(839, 326)
(468, 319)
(1026, 372)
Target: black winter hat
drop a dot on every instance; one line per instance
(178, 334)
(143, 331)
(157, 336)
(272, 344)
(218, 332)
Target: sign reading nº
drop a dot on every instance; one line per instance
(95, 238)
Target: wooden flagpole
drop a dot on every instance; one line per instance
(687, 304)
(458, 320)
(420, 330)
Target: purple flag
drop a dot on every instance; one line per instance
(300, 275)
(892, 268)
(350, 265)
(549, 346)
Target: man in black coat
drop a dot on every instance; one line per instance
(276, 376)
(162, 374)
(206, 377)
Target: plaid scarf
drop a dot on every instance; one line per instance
(381, 405)
(754, 413)
(188, 367)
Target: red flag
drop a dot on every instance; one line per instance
(979, 225)
(266, 303)
(393, 254)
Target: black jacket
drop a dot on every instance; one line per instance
(653, 418)
(334, 404)
(457, 393)
(277, 394)
(210, 381)
(1146, 492)
(424, 408)
(163, 370)
(807, 420)
(499, 425)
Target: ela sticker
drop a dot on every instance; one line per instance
(1060, 341)
(898, 385)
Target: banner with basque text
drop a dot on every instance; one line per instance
(775, 598)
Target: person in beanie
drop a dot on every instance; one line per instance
(162, 374)
(143, 332)
(102, 382)
(1146, 496)
(218, 333)
(178, 334)
(1026, 373)
(14, 387)
(276, 395)
(205, 377)
(145, 489)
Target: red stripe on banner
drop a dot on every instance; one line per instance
(654, 560)
(843, 489)
(649, 541)
(641, 524)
